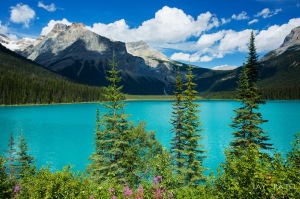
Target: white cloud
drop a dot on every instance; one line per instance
(22, 14)
(207, 40)
(234, 41)
(51, 24)
(50, 8)
(225, 21)
(267, 13)
(205, 58)
(195, 57)
(219, 44)
(241, 16)
(273, 37)
(3, 28)
(181, 56)
(253, 21)
(169, 25)
(224, 67)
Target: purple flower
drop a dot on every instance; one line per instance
(140, 188)
(92, 197)
(157, 179)
(170, 195)
(114, 197)
(111, 190)
(17, 189)
(127, 191)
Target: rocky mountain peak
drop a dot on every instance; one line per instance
(59, 27)
(77, 25)
(293, 38)
(149, 54)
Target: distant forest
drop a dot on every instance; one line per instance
(24, 82)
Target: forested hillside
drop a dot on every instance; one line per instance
(24, 82)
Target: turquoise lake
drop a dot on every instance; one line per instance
(59, 135)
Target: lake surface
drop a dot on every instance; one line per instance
(59, 135)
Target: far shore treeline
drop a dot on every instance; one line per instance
(129, 162)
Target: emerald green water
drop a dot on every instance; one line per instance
(59, 135)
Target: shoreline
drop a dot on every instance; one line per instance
(130, 100)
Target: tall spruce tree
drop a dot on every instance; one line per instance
(11, 158)
(123, 152)
(193, 150)
(111, 132)
(25, 162)
(248, 120)
(177, 120)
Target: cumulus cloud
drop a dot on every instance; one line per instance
(50, 8)
(168, 25)
(241, 16)
(3, 28)
(22, 14)
(219, 44)
(253, 21)
(273, 37)
(193, 57)
(267, 13)
(207, 40)
(51, 24)
(181, 56)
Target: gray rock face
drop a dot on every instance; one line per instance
(76, 52)
(291, 41)
(150, 55)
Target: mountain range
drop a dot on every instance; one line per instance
(79, 54)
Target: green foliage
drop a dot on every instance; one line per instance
(25, 162)
(248, 120)
(293, 167)
(113, 134)
(177, 120)
(122, 151)
(193, 150)
(11, 158)
(60, 184)
(5, 183)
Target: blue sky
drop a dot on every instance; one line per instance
(207, 33)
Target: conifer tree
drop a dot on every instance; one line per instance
(11, 159)
(25, 162)
(194, 152)
(177, 120)
(122, 151)
(112, 131)
(248, 120)
(5, 183)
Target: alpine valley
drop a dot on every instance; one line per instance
(83, 56)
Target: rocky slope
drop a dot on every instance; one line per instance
(80, 54)
(291, 42)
